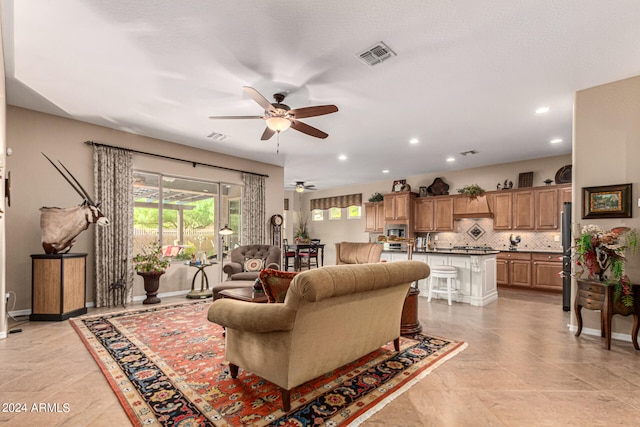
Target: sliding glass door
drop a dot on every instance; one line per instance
(184, 215)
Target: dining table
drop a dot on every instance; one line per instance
(300, 248)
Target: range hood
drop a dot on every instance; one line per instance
(467, 207)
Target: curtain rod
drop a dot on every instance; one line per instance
(194, 163)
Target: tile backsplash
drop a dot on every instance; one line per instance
(479, 232)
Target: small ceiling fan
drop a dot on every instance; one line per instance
(280, 117)
(300, 187)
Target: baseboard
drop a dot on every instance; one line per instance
(91, 304)
(597, 333)
(163, 295)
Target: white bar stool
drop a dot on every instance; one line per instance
(442, 272)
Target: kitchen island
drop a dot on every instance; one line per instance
(476, 272)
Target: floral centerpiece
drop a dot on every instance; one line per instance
(302, 231)
(598, 251)
(151, 260)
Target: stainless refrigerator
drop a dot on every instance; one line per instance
(566, 256)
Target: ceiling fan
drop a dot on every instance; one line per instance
(280, 117)
(300, 187)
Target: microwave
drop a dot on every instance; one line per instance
(395, 230)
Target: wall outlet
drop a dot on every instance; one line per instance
(435, 237)
(556, 238)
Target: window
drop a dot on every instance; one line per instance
(335, 213)
(354, 212)
(317, 215)
(184, 215)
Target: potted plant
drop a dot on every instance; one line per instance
(472, 191)
(598, 252)
(376, 197)
(150, 264)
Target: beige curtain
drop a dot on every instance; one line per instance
(113, 178)
(253, 210)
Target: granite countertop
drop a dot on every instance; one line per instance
(535, 251)
(446, 252)
(472, 252)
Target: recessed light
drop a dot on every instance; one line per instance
(385, 171)
(451, 159)
(414, 141)
(556, 140)
(542, 110)
(342, 157)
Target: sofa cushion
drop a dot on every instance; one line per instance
(253, 264)
(276, 283)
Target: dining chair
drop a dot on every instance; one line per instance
(289, 256)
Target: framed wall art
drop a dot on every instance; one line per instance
(607, 201)
(398, 184)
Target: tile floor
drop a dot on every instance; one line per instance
(522, 368)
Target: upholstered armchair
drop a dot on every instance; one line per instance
(357, 253)
(247, 261)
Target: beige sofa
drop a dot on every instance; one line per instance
(331, 316)
(357, 253)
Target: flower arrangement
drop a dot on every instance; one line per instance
(302, 232)
(598, 251)
(151, 260)
(472, 191)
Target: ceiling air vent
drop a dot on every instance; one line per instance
(376, 54)
(217, 136)
(466, 153)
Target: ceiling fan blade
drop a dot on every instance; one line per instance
(309, 130)
(318, 110)
(256, 96)
(235, 117)
(267, 134)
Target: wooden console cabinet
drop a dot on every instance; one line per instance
(594, 295)
(57, 286)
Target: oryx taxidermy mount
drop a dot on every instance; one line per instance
(61, 226)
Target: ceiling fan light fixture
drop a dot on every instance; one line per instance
(278, 124)
(299, 188)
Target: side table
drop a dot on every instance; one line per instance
(245, 294)
(410, 324)
(204, 291)
(594, 295)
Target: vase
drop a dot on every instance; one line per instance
(151, 286)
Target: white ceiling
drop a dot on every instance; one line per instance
(468, 75)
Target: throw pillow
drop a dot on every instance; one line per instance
(253, 264)
(276, 283)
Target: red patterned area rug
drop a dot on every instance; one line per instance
(167, 367)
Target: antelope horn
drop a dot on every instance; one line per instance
(82, 193)
(86, 195)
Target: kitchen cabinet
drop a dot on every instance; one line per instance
(374, 217)
(514, 269)
(523, 210)
(546, 271)
(433, 214)
(398, 207)
(529, 270)
(502, 206)
(547, 213)
(530, 209)
(423, 214)
(443, 218)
